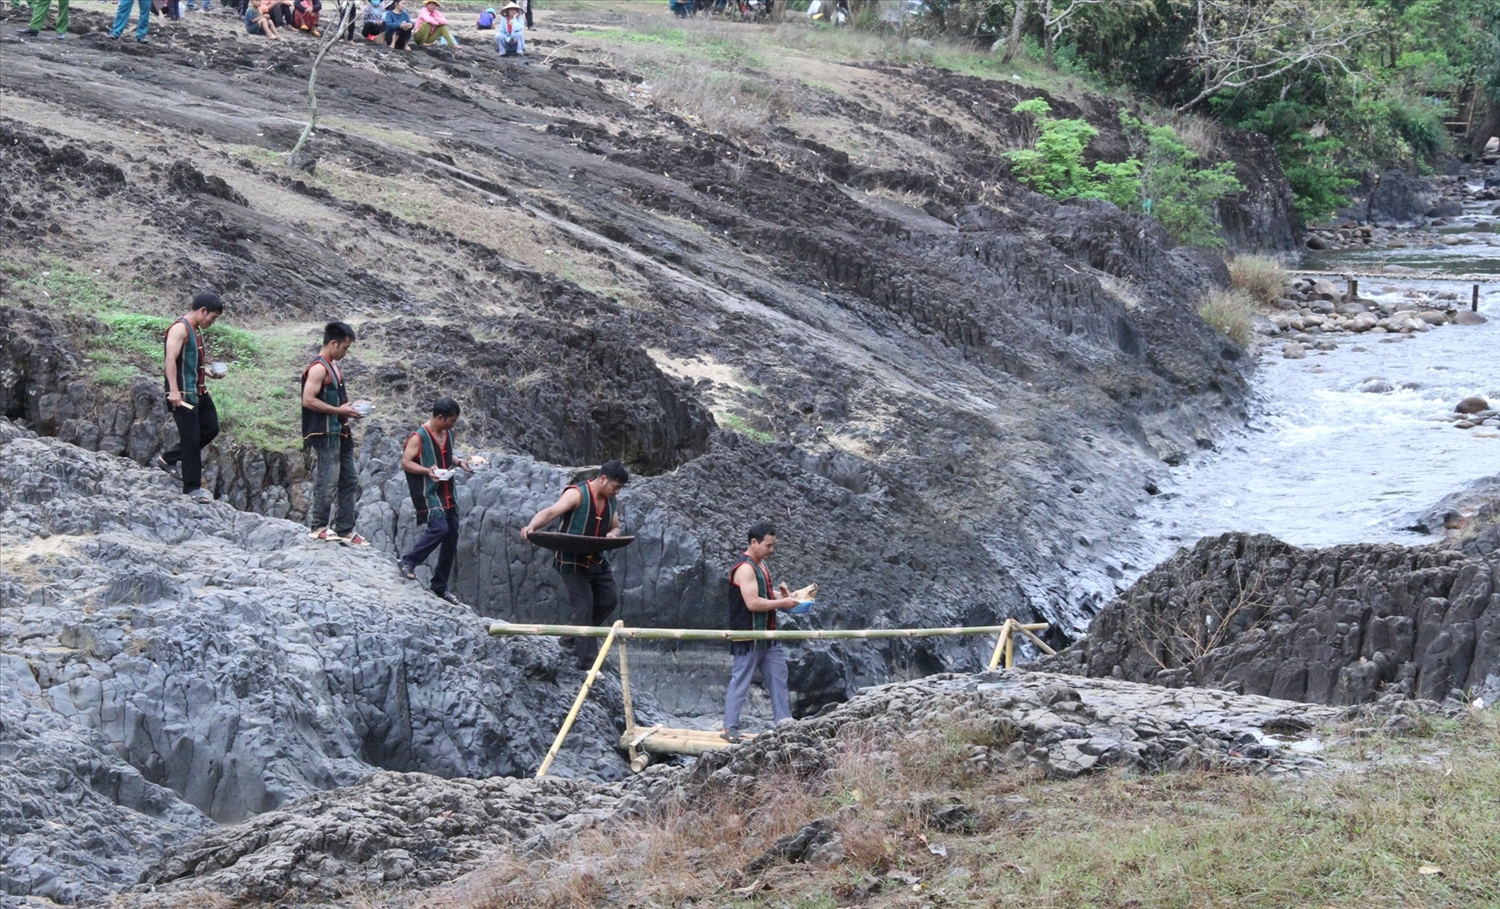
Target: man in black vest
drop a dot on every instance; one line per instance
(326, 413)
(587, 509)
(751, 608)
(185, 371)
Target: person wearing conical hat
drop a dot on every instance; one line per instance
(486, 20)
(510, 32)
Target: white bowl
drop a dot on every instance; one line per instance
(363, 408)
(218, 369)
(441, 474)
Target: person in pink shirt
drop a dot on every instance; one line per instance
(433, 26)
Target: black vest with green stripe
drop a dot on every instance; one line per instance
(742, 617)
(317, 427)
(586, 521)
(427, 494)
(189, 363)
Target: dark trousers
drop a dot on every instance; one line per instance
(528, 13)
(591, 600)
(335, 473)
(398, 37)
(442, 535)
(195, 429)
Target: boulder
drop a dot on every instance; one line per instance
(1323, 289)
(1472, 405)
(1468, 317)
(1291, 350)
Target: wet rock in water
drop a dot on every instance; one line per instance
(1433, 317)
(1293, 351)
(1315, 243)
(1445, 210)
(1471, 405)
(1324, 289)
(1469, 317)
(1363, 322)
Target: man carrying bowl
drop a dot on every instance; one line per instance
(587, 509)
(327, 432)
(186, 379)
(753, 603)
(428, 461)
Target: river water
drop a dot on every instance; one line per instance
(1350, 445)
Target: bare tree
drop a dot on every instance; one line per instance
(1237, 43)
(1055, 21)
(346, 16)
(1013, 43)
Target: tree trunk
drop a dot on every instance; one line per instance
(345, 16)
(1047, 33)
(1013, 43)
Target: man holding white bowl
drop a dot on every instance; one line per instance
(328, 433)
(429, 463)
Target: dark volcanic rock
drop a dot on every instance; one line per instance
(1341, 625)
(194, 662)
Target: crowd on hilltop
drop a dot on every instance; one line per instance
(371, 20)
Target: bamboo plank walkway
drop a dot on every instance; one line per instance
(1395, 276)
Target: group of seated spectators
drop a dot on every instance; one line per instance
(388, 20)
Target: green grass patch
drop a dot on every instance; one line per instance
(257, 402)
(736, 423)
(1231, 313)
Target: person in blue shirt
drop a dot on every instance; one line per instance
(398, 26)
(486, 20)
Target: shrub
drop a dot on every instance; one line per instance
(1262, 278)
(1054, 164)
(1231, 313)
(1178, 193)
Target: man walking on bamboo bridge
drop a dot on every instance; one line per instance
(587, 509)
(752, 609)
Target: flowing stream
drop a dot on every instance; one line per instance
(1350, 445)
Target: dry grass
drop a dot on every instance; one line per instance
(1199, 134)
(1263, 278)
(1231, 312)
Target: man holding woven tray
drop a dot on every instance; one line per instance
(587, 509)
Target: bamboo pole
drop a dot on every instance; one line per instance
(1010, 651)
(625, 695)
(1038, 641)
(718, 634)
(1000, 645)
(588, 682)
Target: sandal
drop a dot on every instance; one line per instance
(407, 572)
(354, 539)
(325, 535)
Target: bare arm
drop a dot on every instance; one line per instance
(176, 337)
(313, 386)
(744, 579)
(569, 500)
(411, 457)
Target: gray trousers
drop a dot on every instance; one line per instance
(772, 665)
(335, 474)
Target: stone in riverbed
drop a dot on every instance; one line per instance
(1433, 317)
(1293, 351)
(1315, 242)
(1472, 404)
(1361, 323)
(1469, 317)
(1323, 289)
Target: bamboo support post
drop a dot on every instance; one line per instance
(1474, 302)
(625, 696)
(588, 682)
(1037, 641)
(1010, 651)
(1000, 646)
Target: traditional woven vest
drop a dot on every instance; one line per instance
(741, 617)
(427, 494)
(583, 520)
(189, 363)
(317, 426)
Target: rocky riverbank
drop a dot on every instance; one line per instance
(1341, 625)
(415, 831)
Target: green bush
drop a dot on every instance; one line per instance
(1054, 164)
(1179, 194)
